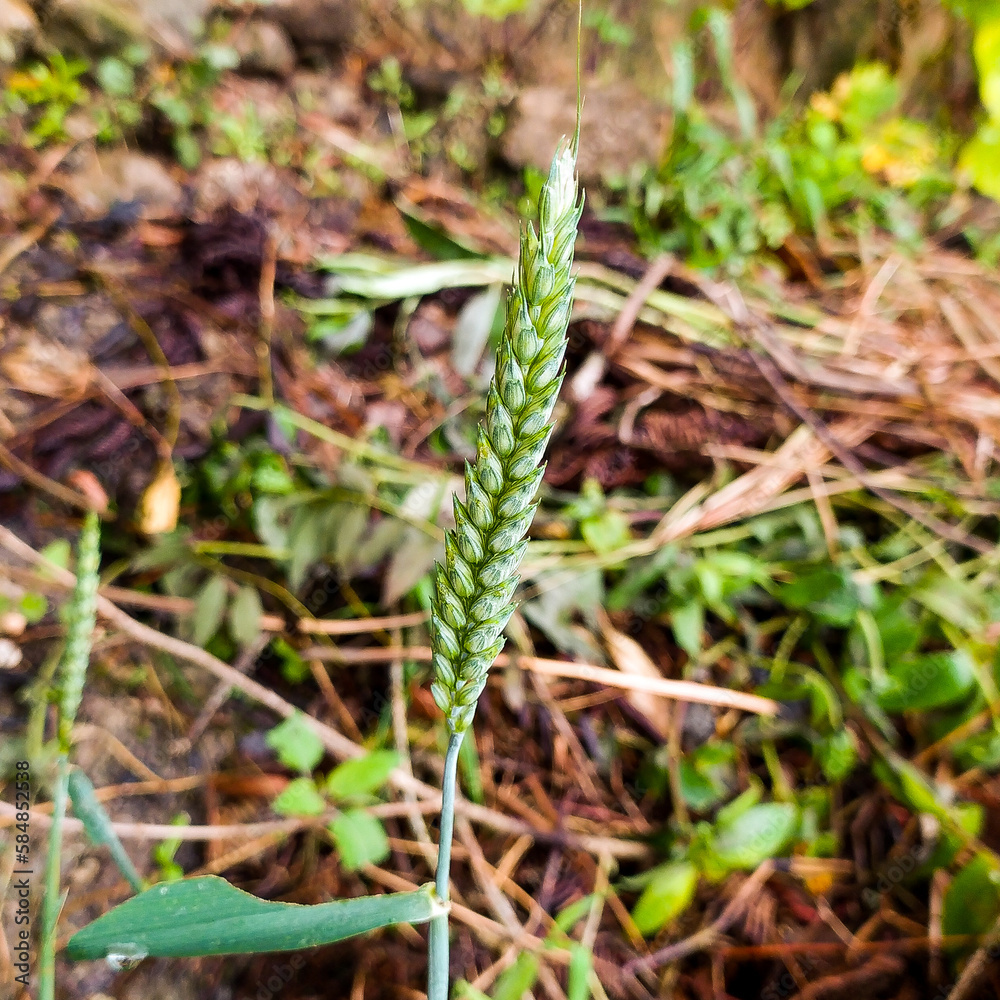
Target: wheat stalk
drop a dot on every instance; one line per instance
(80, 620)
(474, 586)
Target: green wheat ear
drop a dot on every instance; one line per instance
(474, 587)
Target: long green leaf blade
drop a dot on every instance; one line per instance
(97, 825)
(208, 916)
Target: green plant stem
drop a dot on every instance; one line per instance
(437, 955)
(51, 903)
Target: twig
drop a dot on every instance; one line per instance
(175, 605)
(42, 814)
(145, 333)
(593, 368)
(244, 661)
(907, 945)
(401, 739)
(17, 245)
(265, 293)
(704, 694)
(987, 952)
(355, 626)
(501, 906)
(870, 978)
(491, 931)
(42, 482)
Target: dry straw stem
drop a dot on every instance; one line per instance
(906, 353)
(693, 691)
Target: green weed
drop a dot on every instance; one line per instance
(44, 94)
(722, 195)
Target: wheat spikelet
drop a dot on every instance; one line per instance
(474, 586)
(81, 618)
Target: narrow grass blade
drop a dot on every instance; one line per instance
(208, 916)
(97, 825)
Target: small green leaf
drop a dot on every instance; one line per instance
(271, 475)
(978, 159)
(972, 902)
(710, 580)
(518, 979)
(979, 750)
(58, 552)
(837, 754)
(208, 916)
(606, 532)
(361, 776)
(928, 681)
(760, 833)
(743, 802)
(164, 851)
(829, 594)
(466, 991)
(666, 897)
(431, 237)
(33, 607)
(299, 798)
(304, 540)
(986, 49)
(571, 915)
(688, 623)
(898, 628)
(581, 964)
(559, 606)
(244, 615)
(296, 743)
(360, 839)
(115, 77)
(339, 336)
(293, 667)
(186, 149)
(209, 609)
(707, 774)
(911, 786)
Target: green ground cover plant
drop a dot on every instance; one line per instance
(849, 158)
